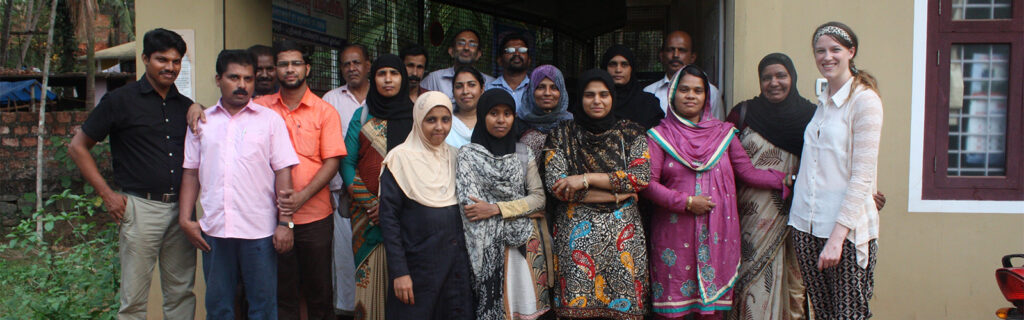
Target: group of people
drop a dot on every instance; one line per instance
(456, 195)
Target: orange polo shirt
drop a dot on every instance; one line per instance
(315, 131)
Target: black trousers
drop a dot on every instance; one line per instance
(305, 272)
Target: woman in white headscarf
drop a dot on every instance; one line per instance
(421, 222)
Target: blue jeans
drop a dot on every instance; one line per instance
(255, 262)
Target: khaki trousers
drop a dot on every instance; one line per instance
(149, 234)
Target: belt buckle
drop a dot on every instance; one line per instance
(166, 197)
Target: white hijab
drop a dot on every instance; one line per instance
(424, 172)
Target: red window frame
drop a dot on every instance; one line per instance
(943, 33)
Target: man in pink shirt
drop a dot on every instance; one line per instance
(246, 157)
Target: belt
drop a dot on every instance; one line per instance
(162, 197)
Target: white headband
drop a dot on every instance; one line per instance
(833, 31)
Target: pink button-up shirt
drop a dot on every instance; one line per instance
(236, 157)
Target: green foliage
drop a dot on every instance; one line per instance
(72, 272)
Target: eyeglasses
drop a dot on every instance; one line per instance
(462, 43)
(294, 63)
(511, 50)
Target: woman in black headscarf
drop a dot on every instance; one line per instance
(396, 108)
(631, 102)
(383, 122)
(500, 193)
(594, 166)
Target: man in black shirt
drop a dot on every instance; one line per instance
(146, 124)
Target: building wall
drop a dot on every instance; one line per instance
(930, 265)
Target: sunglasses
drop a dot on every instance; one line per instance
(511, 50)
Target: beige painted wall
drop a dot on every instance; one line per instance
(930, 265)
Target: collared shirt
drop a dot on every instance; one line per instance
(315, 131)
(441, 80)
(660, 89)
(343, 101)
(838, 168)
(516, 93)
(147, 135)
(237, 157)
(346, 104)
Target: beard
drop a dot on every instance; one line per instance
(298, 83)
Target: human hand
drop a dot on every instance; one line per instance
(403, 289)
(374, 213)
(701, 205)
(833, 250)
(620, 197)
(879, 200)
(195, 116)
(283, 239)
(115, 204)
(194, 233)
(481, 209)
(564, 188)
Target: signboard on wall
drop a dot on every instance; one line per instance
(187, 77)
(325, 17)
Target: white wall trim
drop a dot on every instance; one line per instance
(917, 105)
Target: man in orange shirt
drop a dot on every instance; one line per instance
(315, 131)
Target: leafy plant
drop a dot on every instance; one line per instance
(72, 272)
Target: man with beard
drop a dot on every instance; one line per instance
(266, 81)
(146, 124)
(515, 62)
(315, 131)
(465, 50)
(240, 226)
(414, 58)
(355, 66)
(676, 52)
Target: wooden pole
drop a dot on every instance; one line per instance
(42, 119)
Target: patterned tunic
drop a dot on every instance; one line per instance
(600, 248)
(502, 180)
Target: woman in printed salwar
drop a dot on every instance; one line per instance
(695, 236)
(594, 166)
(376, 127)
(501, 194)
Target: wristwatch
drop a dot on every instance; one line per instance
(289, 224)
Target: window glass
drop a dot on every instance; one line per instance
(977, 109)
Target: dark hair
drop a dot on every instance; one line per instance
(362, 49)
(860, 77)
(413, 50)
(456, 35)
(513, 36)
(160, 39)
(694, 70)
(664, 40)
(260, 50)
(473, 71)
(476, 74)
(289, 45)
(239, 57)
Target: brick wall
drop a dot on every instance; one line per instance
(18, 154)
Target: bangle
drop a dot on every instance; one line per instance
(689, 200)
(616, 195)
(586, 184)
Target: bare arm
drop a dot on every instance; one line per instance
(78, 149)
(283, 236)
(186, 207)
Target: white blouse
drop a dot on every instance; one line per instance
(838, 168)
(460, 133)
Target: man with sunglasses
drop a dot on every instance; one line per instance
(515, 62)
(465, 50)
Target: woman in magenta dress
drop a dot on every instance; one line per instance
(695, 236)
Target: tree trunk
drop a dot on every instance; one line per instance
(90, 60)
(42, 119)
(30, 25)
(5, 37)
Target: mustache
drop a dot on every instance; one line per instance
(415, 78)
(240, 91)
(676, 61)
(167, 72)
(264, 79)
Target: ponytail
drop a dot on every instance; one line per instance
(863, 79)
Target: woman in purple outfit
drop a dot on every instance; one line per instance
(695, 236)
